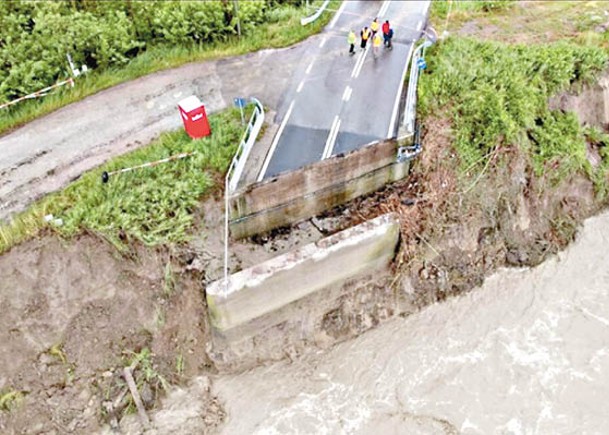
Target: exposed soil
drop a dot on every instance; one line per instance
(74, 312)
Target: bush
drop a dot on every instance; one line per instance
(35, 37)
(498, 94)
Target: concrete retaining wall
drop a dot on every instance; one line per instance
(267, 287)
(306, 192)
(292, 299)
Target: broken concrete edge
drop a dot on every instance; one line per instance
(322, 166)
(281, 208)
(293, 196)
(269, 286)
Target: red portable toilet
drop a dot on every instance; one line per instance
(194, 117)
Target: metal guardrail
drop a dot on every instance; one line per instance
(310, 19)
(248, 139)
(410, 109)
(406, 153)
(233, 175)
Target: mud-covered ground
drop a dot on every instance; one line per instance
(74, 313)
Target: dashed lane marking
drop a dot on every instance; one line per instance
(347, 93)
(335, 19)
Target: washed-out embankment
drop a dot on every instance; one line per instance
(289, 302)
(347, 283)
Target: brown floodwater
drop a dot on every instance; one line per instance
(527, 353)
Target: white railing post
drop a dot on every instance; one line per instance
(226, 193)
(237, 165)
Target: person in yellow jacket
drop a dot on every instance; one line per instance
(351, 41)
(376, 45)
(374, 27)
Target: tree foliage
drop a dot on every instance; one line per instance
(36, 36)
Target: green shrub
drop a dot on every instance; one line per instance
(498, 94)
(154, 205)
(35, 37)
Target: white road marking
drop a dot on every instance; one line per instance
(308, 70)
(383, 9)
(323, 42)
(347, 93)
(419, 25)
(335, 19)
(396, 105)
(359, 64)
(300, 86)
(331, 138)
(275, 142)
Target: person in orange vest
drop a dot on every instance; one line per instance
(365, 35)
(374, 27)
(376, 45)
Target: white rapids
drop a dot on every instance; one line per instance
(527, 353)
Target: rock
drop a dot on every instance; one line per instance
(423, 273)
(511, 258)
(147, 396)
(203, 383)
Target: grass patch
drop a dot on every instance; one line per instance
(153, 205)
(283, 29)
(169, 283)
(450, 15)
(531, 22)
(10, 398)
(497, 95)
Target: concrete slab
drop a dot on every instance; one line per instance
(270, 286)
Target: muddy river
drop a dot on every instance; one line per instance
(527, 353)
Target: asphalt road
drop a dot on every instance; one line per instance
(338, 102)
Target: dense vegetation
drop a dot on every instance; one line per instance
(35, 37)
(153, 205)
(497, 95)
(280, 27)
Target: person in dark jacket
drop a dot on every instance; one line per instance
(365, 35)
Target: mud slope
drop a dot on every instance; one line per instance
(73, 312)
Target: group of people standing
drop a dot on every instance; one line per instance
(372, 34)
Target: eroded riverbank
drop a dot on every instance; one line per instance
(528, 352)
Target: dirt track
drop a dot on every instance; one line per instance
(46, 154)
